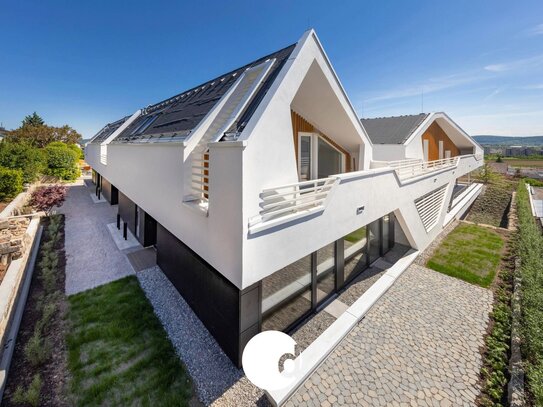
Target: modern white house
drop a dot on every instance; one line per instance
(265, 195)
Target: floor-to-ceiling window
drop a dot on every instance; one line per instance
(318, 158)
(374, 240)
(286, 295)
(355, 252)
(293, 292)
(326, 271)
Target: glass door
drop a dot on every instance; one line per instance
(318, 158)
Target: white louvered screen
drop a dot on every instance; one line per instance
(429, 207)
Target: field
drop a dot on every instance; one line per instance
(519, 162)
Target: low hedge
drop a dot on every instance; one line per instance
(11, 183)
(530, 250)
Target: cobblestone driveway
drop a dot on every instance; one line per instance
(419, 346)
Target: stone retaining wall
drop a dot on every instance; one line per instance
(10, 285)
(12, 240)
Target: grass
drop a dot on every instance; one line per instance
(471, 253)
(529, 248)
(357, 235)
(118, 352)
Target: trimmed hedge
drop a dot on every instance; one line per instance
(11, 183)
(530, 250)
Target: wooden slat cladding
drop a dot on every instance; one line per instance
(299, 124)
(434, 134)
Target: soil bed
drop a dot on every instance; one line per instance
(52, 370)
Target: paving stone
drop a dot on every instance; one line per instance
(419, 346)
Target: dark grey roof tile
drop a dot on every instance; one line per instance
(392, 130)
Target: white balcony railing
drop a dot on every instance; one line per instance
(413, 168)
(290, 199)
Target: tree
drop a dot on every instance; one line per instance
(499, 158)
(46, 198)
(487, 174)
(62, 161)
(40, 136)
(28, 159)
(33, 119)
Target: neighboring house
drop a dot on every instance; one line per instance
(264, 195)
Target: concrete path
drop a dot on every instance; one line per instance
(92, 258)
(418, 346)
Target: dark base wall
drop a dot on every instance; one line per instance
(109, 191)
(105, 188)
(132, 215)
(229, 314)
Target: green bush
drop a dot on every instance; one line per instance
(11, 183)
(530, 251)
(62, 161)
(21, 156)
(37, 350)
(78, 150)
(31, 395)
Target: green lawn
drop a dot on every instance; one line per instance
(118, 352)
(471, 253)
(357, 235)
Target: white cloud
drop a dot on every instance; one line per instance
(533, 87)
(537, 30)
(505, 123)
(525, 63)
(431, 85)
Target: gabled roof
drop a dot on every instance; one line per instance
(392, 130)
(108, 130)
(174, 118)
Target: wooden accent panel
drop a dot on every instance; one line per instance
(434, 134)
(299, 124)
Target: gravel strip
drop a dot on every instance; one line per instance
(211, 370)
(92, 259)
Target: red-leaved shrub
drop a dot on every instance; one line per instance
(46, 198)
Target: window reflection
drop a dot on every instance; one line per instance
(355, 253)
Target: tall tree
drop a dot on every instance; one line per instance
(40, 136)
(33, 119)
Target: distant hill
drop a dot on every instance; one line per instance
(509, 141)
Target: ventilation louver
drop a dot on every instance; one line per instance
(429, 207)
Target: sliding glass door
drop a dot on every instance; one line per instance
(317, 157)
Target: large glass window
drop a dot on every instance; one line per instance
(318, 158)
(355, 252)
(286, 295)
(329, 159)
(305, 158)
(326, 271)
(386, 233)
(374, 241)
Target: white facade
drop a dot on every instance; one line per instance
(227, 226)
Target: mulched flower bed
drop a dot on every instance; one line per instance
(38, 373)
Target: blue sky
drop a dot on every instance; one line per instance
(86, 63)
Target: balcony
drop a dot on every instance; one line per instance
(293, 200)
(286, 203)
